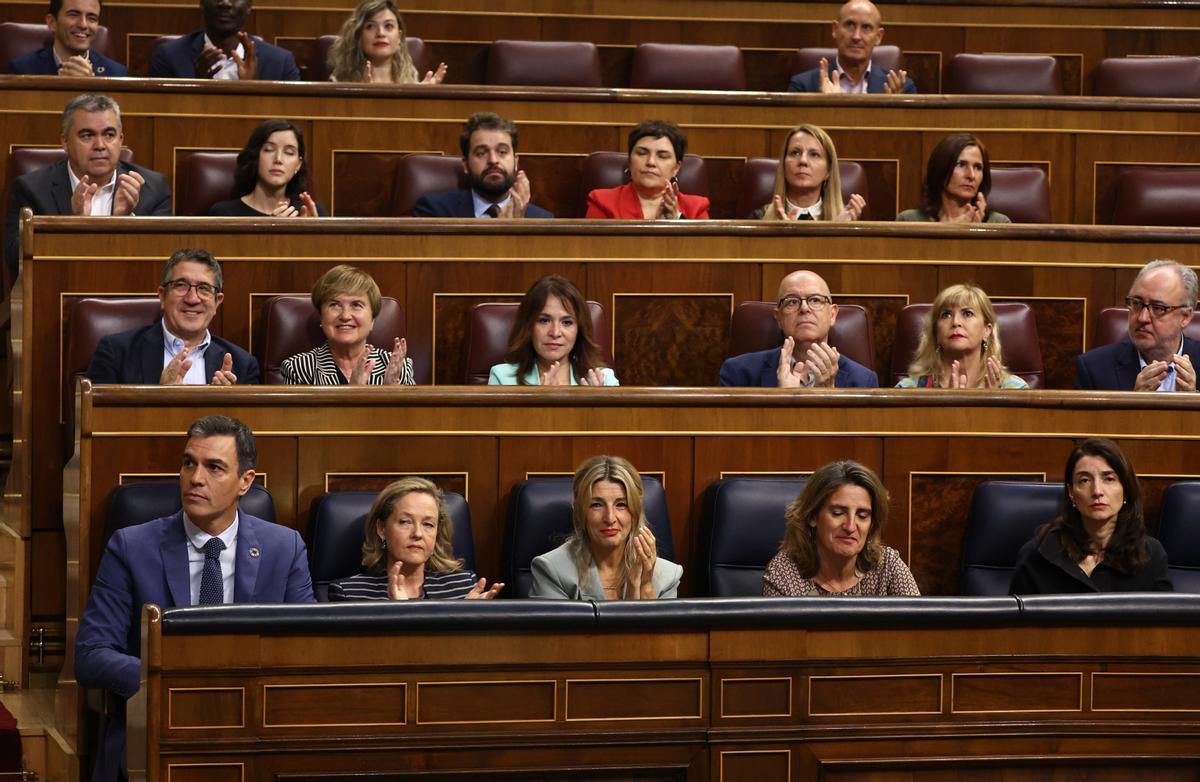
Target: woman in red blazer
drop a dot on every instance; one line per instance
(656, 150)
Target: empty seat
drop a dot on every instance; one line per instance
(137, 503)
(203, 179)
(544, 63)
(754, 328)
(1003, 74)
(485, 341)
(1018, 338)
(677, 66)
(1002, 519)
(539, 520)
(611, 169)
(290, 325)
(1112, 325)
(1148, 77)
(318, 67)
(87, 322)
(1149, 195)
(1021, 193)
(335, 534)
(20, 38)
(421, 175)
(1179, 533)
(885, 57)
(758, 183)
(741, 528)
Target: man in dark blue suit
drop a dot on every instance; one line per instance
(805, 312)
(1157, 355)
(857, 31)
(497, 188)
(177, 349)
(74, 24)
(223, 50)
(209, 553)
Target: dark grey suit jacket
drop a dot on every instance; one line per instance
(47, 191)
(1115, 367)
(136, 356)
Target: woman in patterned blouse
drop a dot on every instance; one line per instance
(833, 546)
(407, 549)
(348, 302)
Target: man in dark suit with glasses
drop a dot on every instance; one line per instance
(177, 349)
(1156, 355)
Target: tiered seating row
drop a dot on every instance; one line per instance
(931, 449)
(768, 34)
(356, 134)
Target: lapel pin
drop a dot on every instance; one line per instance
(254, 552)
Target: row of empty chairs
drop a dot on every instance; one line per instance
(702, 67)
(741, 528)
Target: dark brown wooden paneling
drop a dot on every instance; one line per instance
(327, 704)
(873, 696)
(1016, 692)
(195, 707)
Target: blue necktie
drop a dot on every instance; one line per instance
(212, 584)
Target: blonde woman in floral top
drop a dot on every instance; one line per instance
(833, 546)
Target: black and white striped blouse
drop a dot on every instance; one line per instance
(316, 367)
(374, 586)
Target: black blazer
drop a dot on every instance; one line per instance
(177, 59)
(136, 356)
(47, 191)
(1043, 568)
(1115, 367)
(458, 203)
(41, 63)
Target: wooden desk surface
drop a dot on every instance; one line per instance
(717, 697)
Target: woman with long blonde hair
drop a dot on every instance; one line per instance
(960, 345)
(611, 554)
(808, 185)
(371, 47)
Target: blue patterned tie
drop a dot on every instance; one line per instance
(212, 584)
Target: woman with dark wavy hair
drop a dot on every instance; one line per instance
(271, 179)
(958, 179)
(833, 542)
(551, 342)
(1099, 542)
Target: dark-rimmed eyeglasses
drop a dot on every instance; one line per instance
(1157, 310)
(816, 302)
(181, 287)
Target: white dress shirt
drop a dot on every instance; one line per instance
(226, 68)
(482, 204)
(814, 211)
(228, 558)
(102, 202)
(172, 344)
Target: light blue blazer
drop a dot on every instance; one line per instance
(506, 375)
(556, 577)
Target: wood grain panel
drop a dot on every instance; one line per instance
(1117, 691)
(674, 340)
(206, 708)
(939, 502)
(766, 765)
(1015, 692)
(634, 699)
(334, 705)
(206, 772)
(485, 702)
(755, 697)
(874, 695)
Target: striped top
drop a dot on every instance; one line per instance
(316, 367)
(373, 586)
